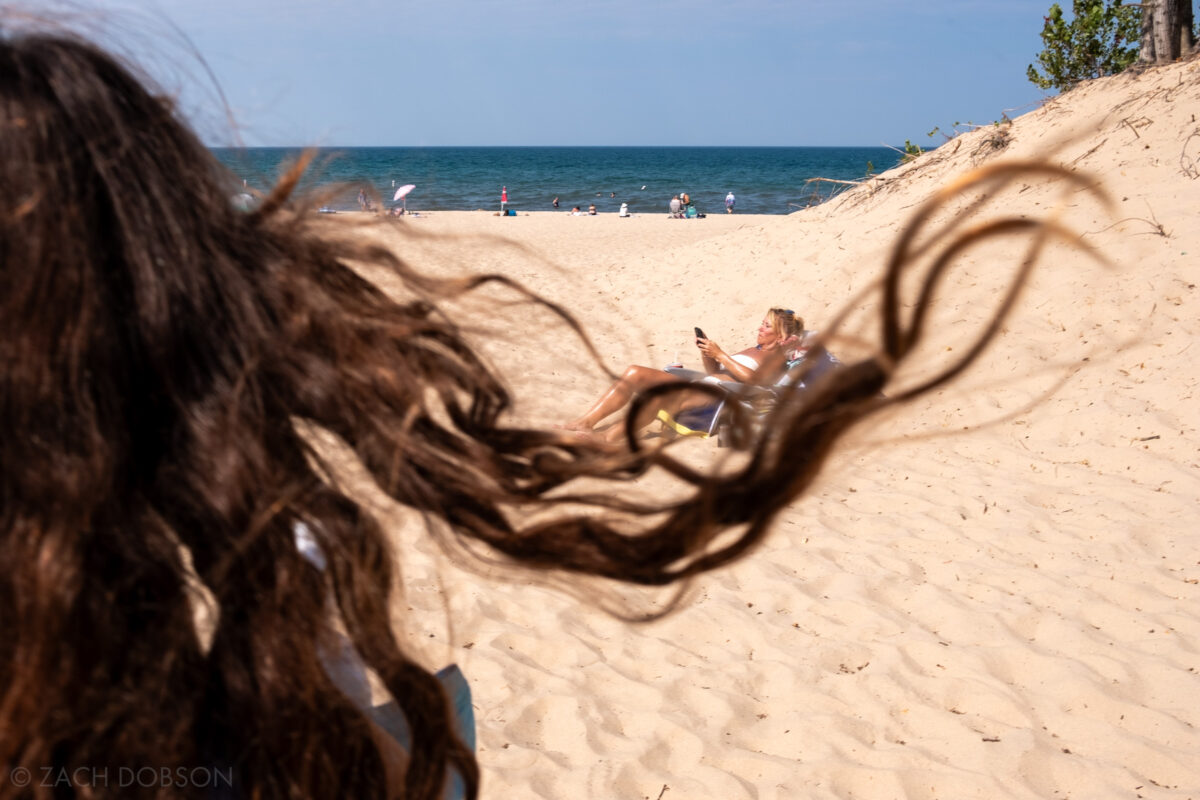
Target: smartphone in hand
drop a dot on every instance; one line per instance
(699, 333)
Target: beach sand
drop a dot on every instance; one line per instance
(993, 591)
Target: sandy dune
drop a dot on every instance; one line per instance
(993, 592)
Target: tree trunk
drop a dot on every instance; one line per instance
(1166, 30)
(1184, 37)
(1187, 41)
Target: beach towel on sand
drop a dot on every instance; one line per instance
(691, 422)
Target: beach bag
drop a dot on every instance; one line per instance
(691, 212)
(511, 213)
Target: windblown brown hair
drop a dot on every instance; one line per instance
(157, 350)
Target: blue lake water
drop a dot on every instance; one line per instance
(765, 180)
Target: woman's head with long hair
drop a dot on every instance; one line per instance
(158, 352)
(155, 347)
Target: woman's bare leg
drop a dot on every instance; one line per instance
(618, 395)
(674, 404)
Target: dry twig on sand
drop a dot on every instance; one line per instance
(993, 143)
(816, 198)
(1152, 222)
(1188, 160)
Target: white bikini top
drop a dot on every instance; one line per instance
(741, 358)
(745, 361)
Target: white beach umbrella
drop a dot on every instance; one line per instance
(402, 192)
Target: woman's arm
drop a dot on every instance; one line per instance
(716, 359)
(711, 365)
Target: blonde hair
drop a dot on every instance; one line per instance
(786, 323)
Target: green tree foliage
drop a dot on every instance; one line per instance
(1101, 39)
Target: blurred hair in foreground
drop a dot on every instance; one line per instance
(158, 351)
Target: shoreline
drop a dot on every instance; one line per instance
(765, 181)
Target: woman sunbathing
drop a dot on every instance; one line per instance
(780, 328)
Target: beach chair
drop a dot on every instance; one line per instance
(346, 669)
(389, 717)
(757, 400)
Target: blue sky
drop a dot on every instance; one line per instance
(599, 72)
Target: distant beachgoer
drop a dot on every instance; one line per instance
(555, 203)
(612, 194)
(685, 199)
(729, 201)
(362, 200)
(624, 210)
(575, 212)
(592, 209)
(503, 198)
(676, 206)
